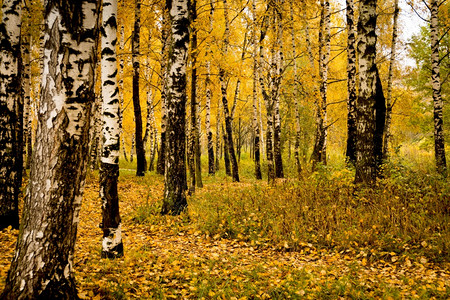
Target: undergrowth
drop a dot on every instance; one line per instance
(405, 216)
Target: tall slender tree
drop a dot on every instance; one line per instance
(389, 103)
(140, 152)
(438, 103)
(255, 125)
(223, 88)
(195, 130)
(320, 145)
(43, 260)
(366, 119)
(209, 134)
(160, 165)
(121, 88)
(295, 95)
(175, 184)
(351, 83)
(112, 245)
(10, 109)
(278, 62)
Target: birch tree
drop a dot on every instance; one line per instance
(389, 104)
(320, 145)
(209, 134)
(195, 130)
(438, 103)
(140, 152)
(277, 61)
(112, 245)
(351, 83)
(10, 151)
(295, 95)
(43, 260)
(366, 122)
(174, 201)
(255, 125)
(223, 89)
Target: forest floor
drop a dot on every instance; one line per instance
(189, 257)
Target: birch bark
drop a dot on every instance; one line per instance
(112, 245)
(438, 104)
(42, 264)
(174, 201)
(366, 119)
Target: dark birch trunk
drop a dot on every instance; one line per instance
(42, 264)
(438, 103)
(350, 152)
(140, 151)
(11, 105)
(194, 102)
(256, 130)
(175, 172)
(380, 119)
(366, 119)
(226, 155)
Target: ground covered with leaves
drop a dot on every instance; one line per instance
(315, 238)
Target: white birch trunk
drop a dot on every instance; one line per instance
(366, 123)
(42, 264)
(112, 245)
(438, 104)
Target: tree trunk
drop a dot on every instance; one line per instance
(194, 102)
(160, 165)
(42, 264)
(112, 245)
(268, 100)
(218, 136)
(226, 154)
(10, 99)
(319, 153)
(380, 120)
(121, 89)
(295, 95)
(351, 84)
(279, 59)
(140, 152)
(175, 172)
(191, 159)
(96, 128)
(438, 104)
(211, 165)
(389, 104)
(26, 87)
(366, 120)
(256, 132)
(226, 112)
